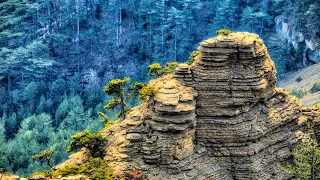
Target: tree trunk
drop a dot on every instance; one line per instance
(175, 44)
(78, 20)
(48, 162)
(123, 114)
(49, 16)
(9, 83)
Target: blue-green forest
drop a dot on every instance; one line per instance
(57, 55)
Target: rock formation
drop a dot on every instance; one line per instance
(220, 118)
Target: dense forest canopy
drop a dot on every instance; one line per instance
(56, 56)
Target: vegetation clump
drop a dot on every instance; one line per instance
(192, 56)
(93, 142)
(315, 88)
(45, 154)
(298, 93)
(224, 32)
(156, 69)
(116, 88)
(148, 92)
(306, 160)
(298, 79)
(95, 169)
(136, 87)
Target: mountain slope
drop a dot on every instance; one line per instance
(310, 76)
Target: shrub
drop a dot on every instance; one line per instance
(298, 93)
(93, 142)
(224, 32)
(298, 79)
(135, 88)
(306, 160)
(192, 56)
(157, 70)
(95, 169)
(315, 88)
(148, 91)
(154, 69)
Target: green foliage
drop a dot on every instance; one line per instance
(298, 79)
(115, 88)
(148, 92)
(112, 104)
(44, 154)
(93, 142)
(103, 116)
(136, 87)
(192, 56)
(170, 67)
(224, 32)
(298, 93)
(315, 88)
(157, 70)
(95, 169)
(306, 161)
(2, 170)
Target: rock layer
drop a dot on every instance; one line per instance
(220, 118)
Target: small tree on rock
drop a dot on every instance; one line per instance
(116, 89)
(157, 70)
(147, 93)
(135, 88)
(45, 154)
(93, 142)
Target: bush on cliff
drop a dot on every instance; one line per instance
(306, 160)
(93, 142)
(156, 69)
(224, 32)
(315, 88)
(192, 56)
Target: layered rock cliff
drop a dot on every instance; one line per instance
(220, 118)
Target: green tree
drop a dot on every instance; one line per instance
(116, 89)
(306, 161)
(44, 154)
(135, 88)
(93, 142)
(156, 69)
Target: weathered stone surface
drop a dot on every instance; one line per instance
(9, 177)
(220, 118)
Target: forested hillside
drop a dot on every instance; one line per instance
(56, 56)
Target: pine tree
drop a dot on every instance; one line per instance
(306, 161)
(115, 88)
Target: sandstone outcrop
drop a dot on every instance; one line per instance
(220, 118)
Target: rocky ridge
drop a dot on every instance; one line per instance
(235, 124)
(220, 118)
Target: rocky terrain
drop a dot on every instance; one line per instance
(220, 118)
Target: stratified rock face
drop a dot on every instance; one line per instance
(231, 74)
(220, 118)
